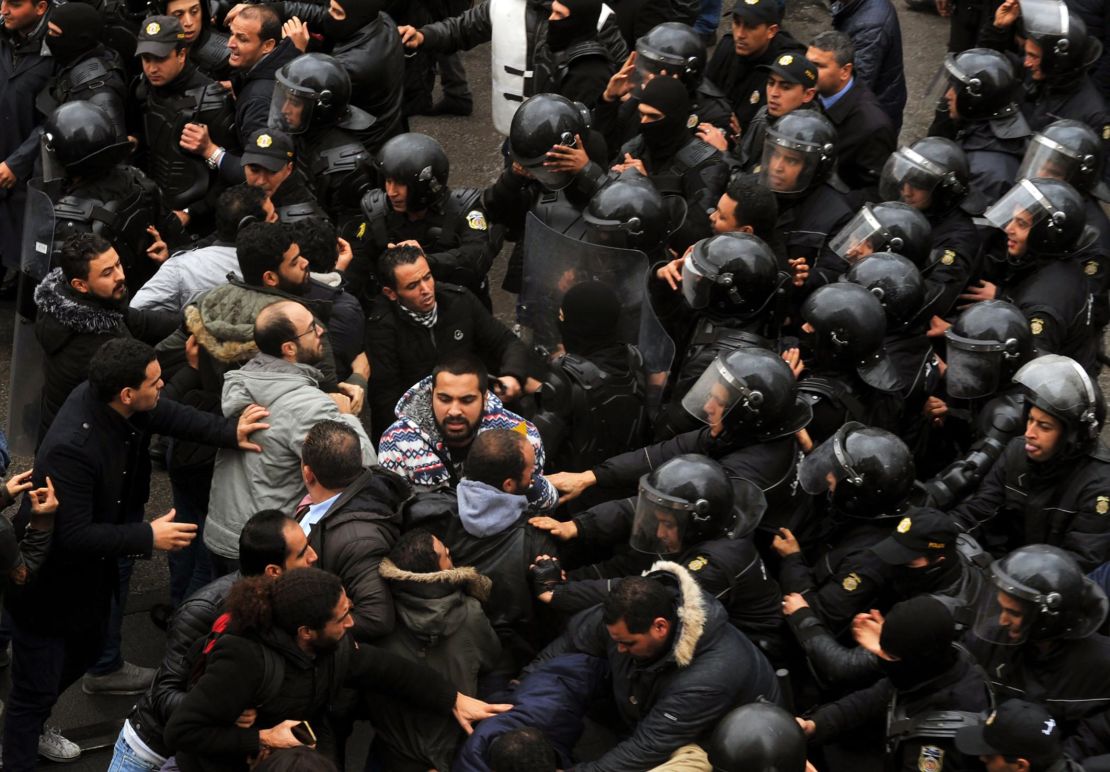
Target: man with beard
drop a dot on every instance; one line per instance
(283, 378)
(438, 419)
(81, 305)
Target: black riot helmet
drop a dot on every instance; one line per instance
(895, 281)
(1067, 51)
(79, 140)
(799, 152)
(985, 347)
(753, 392)
(732, 274)
(873, 470)
(1046, 584)
(985, 83)
(314, 91)
(1066, 150)
(758, 737)
(540, 123)
(418, 162)
(673, 47)
(890, 227)
(849, 325)
(1052, 210)
(690, 499)
(936, 166)
(629, 212)
(1061, 387)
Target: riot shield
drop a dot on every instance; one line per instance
(553, 263)
(26, 384)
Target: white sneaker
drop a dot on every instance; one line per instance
(54, 747)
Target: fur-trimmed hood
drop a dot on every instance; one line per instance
(433, 606)
(222, 320)
(463, 578)
(693, 616)
(54, 298)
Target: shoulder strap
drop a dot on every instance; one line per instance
(837, 392)
(86, 72)
(693, 155)
(375, 206)
(273, 675)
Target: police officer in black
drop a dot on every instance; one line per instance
(269, 163)
(758, 737)
(580, 65)
(172, 92)
(312, 102)
(932, 176)
(416, 204)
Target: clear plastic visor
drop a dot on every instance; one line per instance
(910, 178)
(1023, 205)
(549, 178)
(974, 365)
(660, 523)
(1003, 618)
(1060, 384)
(787, 166)
(291, 109)
(1046, 158)
(716, 392)
(1044, 17)
(829, 463)
(861, 237)
(696, 286)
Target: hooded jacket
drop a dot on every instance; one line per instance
(413, 447)
(709, 668)
(245, 483)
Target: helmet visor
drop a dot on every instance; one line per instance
(651, 63)
(716, 392)
(1023, 205)
(862, 236)
(291, 109)
(829, 463)
(1005, 614)
(749, 506)
(1059, 384)
(549, 178)
(788, 166)
(974, 365)
(1044, 17)
(909, 177)
(52, 168)
(660, 524)
(1046, 158)
(697, 287)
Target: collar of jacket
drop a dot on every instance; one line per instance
(54, 297)
(691, 613)
(390, 493)
(415, 406)
(107, 417)
(432, 584)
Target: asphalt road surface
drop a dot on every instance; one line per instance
(474, 149)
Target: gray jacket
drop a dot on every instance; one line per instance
(245, 483)
(185, 275)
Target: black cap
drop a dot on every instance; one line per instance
(922, 532)
(757, 12)
(271, 149)
(1018, 728)
(159, 36)
(794, 68)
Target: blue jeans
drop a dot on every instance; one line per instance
(111, 656)
(190, 568)
(124, 759)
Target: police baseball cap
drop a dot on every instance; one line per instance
(794, 68)
(1018, 728)
(271, 149)
(757, 12)
(159, 36)
(924, 531)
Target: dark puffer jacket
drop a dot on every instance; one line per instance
(877, 36)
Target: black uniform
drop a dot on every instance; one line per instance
(994, 151)
(209, 53)
(740, 78)
(337, 168)
(806, 223)
(97, 76)
(1075, 98)
(953, 262)
(581, 71)
(619, 121)
(836, 397)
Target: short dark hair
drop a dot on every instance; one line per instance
(393, 257)
(78, 251)
(117, 365)
(462, 363)
(261, 247)
(268, 20)
(304, 597)
(262, 542)
(415, 551)
(523, 750)
(496, 455)
(234, 206)
(272, 329)
(837, 43)
(639, 601)
(318, 240)
(333, 451)
(756, 205)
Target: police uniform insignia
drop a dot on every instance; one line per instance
(361, 230)
(851, 582)
(1102, 505)
(1091, 268)
(904, 525)
(1036, 324)
(948, 257)
(698, 563)
(153, 28)
(264, 140)
(931, 759)
(786, 59)
(754, 97)
(1106, 132)
(458, 334)
(477, 221)
(692, 121)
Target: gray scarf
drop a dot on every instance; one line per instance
(427, 319)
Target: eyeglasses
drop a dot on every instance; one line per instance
(315, 327)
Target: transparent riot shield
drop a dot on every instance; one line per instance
(26, 384)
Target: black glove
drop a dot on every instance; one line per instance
(546, 574)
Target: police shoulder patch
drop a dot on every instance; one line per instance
(698, 563)
(931, 759)
(1036, 324)
(1106, 132)
(754, 97)
(948, 257)
(1091, 267)
(361, 230)
(477, 221)
(851, 582)
(692, 121)
(1102, 505)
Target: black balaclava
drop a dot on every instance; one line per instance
(920, 633)
(82, 27)
(589, 319)
(666, 136)
(931, 578)
(359, 14)
(580, 24)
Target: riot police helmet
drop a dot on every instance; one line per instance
(733, 274)
(848, 326)
(674, 48)
(1038, 593)
(985, 83)
(80, 140)
(799, 152)
(889, 227)
(313, 91)
(1067, 51)
(1060, 386)
(1050, 212)
(931, 174)
(1066, 150)
(749, 392)
(870, 471)
(985, 347)
(540, 123)
(628, 212)
(418, 162)
(897, 284)
(690, 499)
(758, 737)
